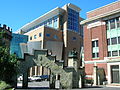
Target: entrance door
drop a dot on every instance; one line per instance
(115, 73)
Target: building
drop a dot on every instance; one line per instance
(58, 30)
(18, 45)
(7, 35)
(102, 41)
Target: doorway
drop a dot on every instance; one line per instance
(115, 76)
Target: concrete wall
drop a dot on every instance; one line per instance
(36, 45)
(56, 48)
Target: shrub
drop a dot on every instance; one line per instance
(3, 85)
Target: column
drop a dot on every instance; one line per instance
(80, 81)
(30, 71)
(41, 70)
(109, 73)
(35, 70)
(95, 75)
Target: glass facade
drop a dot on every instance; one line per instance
(113, 36)
(73, 20)
(52, 22)
(15, 44)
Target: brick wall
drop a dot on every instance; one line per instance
(98, 32)
(104, 9)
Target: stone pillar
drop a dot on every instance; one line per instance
(98, 79)
(52, 81)
(30, 71)
(25, 79)
(95, 76)
(35, 70)
(80, 82)
(73, 63)
(41, 70)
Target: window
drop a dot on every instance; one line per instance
(35, 36)
(112, 23)
(118, 22)
(73, 20)
(55, 37)
(55, 19)
(95, 43)
(45, 23)
(97, 54)
(113, 40)
(109, 53)
(48, 35)
(31, 38)
(55, 24)
(93, 55)
(108, 41)
(74, 38)
(114, 53)
(95, 49)
(118, 40)
(40, 34)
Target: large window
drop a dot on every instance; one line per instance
(73, 20)
(51, 22)
(95, 49)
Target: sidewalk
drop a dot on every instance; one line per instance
(113, 85)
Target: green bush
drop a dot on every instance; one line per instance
(3, 85)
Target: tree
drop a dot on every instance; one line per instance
(8, 63)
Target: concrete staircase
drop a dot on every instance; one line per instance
(42, 58)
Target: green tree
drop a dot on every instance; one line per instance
(8, 63)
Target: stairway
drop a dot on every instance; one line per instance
(42, 58)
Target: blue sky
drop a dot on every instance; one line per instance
(16, 13)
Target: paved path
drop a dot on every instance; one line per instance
(45, 85)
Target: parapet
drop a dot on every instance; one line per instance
(5, 27)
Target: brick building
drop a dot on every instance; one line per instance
(102, 41)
